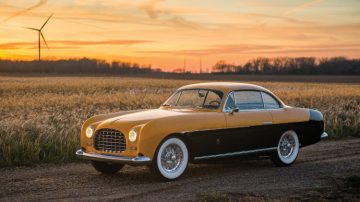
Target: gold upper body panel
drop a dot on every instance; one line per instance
(224, 86)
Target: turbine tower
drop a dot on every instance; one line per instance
(40, 35)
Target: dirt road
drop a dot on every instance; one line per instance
(329, 170)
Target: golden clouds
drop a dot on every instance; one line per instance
(163, 32)
(71, 43)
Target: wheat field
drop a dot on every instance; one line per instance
(41, 116)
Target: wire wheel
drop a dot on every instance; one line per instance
(287, 145)
(287, 149)
(172, 158)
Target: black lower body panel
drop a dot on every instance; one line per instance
(255, 138)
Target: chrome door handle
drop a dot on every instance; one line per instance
(267, 123)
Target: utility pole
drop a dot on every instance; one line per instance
(184, 65)
(200, 65)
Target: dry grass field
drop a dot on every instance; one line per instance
(41, 116)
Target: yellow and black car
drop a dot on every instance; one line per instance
(200, 122)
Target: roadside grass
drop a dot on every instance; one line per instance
(41, 116)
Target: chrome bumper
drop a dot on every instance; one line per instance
(139, 160)
(324, 135)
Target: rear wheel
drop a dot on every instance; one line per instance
(287, 149)
(171, 159)
(106, 167)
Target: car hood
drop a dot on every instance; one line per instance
(137, 118)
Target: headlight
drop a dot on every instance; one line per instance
(132, 135)
(89, 132)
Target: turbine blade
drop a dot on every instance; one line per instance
(46, 21)
(31, 28)
(42, 36)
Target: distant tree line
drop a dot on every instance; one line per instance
(263, 66)
(287, 65)
(73, 66)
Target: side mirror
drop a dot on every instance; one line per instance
(234, 110)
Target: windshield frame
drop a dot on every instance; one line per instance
(218, 92)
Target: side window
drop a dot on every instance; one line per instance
(192, 98)
(173, 99)
(269, 101)
(213, 100)
(230, 102)
(248, 100)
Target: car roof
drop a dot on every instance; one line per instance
(224, 86)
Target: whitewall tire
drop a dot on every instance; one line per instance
(171, 159)
(287, 149)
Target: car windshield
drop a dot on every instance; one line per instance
(195, 98)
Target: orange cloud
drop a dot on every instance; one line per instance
(258, 49)
(218, 49)
(15, 45)
(107, 42)
(301, 7)
(166, 15)
(40, 3)
(150, 8)
(62, 44)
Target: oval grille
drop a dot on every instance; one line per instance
(109, 140)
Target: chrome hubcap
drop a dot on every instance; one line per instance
(171, 158)
(287, 145)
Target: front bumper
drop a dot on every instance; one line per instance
(139, 160)
(324, 135)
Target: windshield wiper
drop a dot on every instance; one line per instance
(165, 105)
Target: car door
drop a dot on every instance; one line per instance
(282, 118)
(209, 123)
(247, 128)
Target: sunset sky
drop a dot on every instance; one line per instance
(164, 33)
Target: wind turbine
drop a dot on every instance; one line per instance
(40, 34)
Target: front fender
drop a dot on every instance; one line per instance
(153, 132)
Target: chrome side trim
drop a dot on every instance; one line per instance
(203, 130)
(225, 128)
(324, 135)
(235, 153)
(139, 160)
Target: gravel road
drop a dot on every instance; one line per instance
(328, 170)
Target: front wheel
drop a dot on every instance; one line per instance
(287, 149)
(171, 159)
(107, 168)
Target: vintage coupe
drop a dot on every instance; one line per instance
(200, 122)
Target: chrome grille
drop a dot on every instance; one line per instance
(109, 140)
